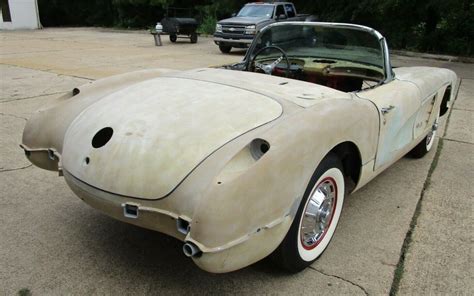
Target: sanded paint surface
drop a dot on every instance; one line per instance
(401, 99)
(161, 131)
(408, 107)
(427, 79)
(302, 93)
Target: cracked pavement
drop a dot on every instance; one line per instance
(53, 243)
(338, 277)
(439, 257)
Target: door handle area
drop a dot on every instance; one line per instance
(386, 110)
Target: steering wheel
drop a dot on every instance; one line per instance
(268, 68)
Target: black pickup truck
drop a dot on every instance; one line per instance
(240, 30)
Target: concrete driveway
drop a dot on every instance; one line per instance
(53, 243)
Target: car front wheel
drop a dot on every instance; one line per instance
(425, 146)
(316, 219)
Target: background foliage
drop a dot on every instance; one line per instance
(440, 26)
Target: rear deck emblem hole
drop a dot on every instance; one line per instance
(87, 160)
(102, 137)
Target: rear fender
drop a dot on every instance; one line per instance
(265, 196)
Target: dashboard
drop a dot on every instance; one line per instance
(338, 74)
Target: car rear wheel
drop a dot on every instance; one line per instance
(316, 219)
(173, 37)
(225, 48)
(425, 146)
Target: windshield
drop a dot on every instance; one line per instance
(256, 11)
(338, 43)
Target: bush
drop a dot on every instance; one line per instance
(208, 25)
(208, 18)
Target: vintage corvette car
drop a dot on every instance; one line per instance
(248, 160)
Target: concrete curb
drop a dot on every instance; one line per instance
(447, 58)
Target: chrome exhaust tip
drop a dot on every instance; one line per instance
(191, 250)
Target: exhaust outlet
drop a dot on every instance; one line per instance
(191, 250)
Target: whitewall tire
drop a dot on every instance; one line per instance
(426, 144)
(317, 217)
(321, 215)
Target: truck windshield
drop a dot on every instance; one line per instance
(256, 11)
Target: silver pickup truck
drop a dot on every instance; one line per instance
(240, 30)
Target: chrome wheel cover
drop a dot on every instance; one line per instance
(431, 135)
(318, 213)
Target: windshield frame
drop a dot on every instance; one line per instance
(387, 68)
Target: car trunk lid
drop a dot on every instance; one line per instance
(151, 135)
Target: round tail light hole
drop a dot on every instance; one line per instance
(102, 137)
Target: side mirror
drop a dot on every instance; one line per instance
(234, 14)
(281, 17)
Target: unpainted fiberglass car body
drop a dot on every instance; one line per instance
(238, 164)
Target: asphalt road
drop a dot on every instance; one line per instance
(53, 243)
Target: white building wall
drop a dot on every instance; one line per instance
(24, 15)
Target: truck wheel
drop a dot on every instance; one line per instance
(173, 38)
(225, 48)
(194, 38)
